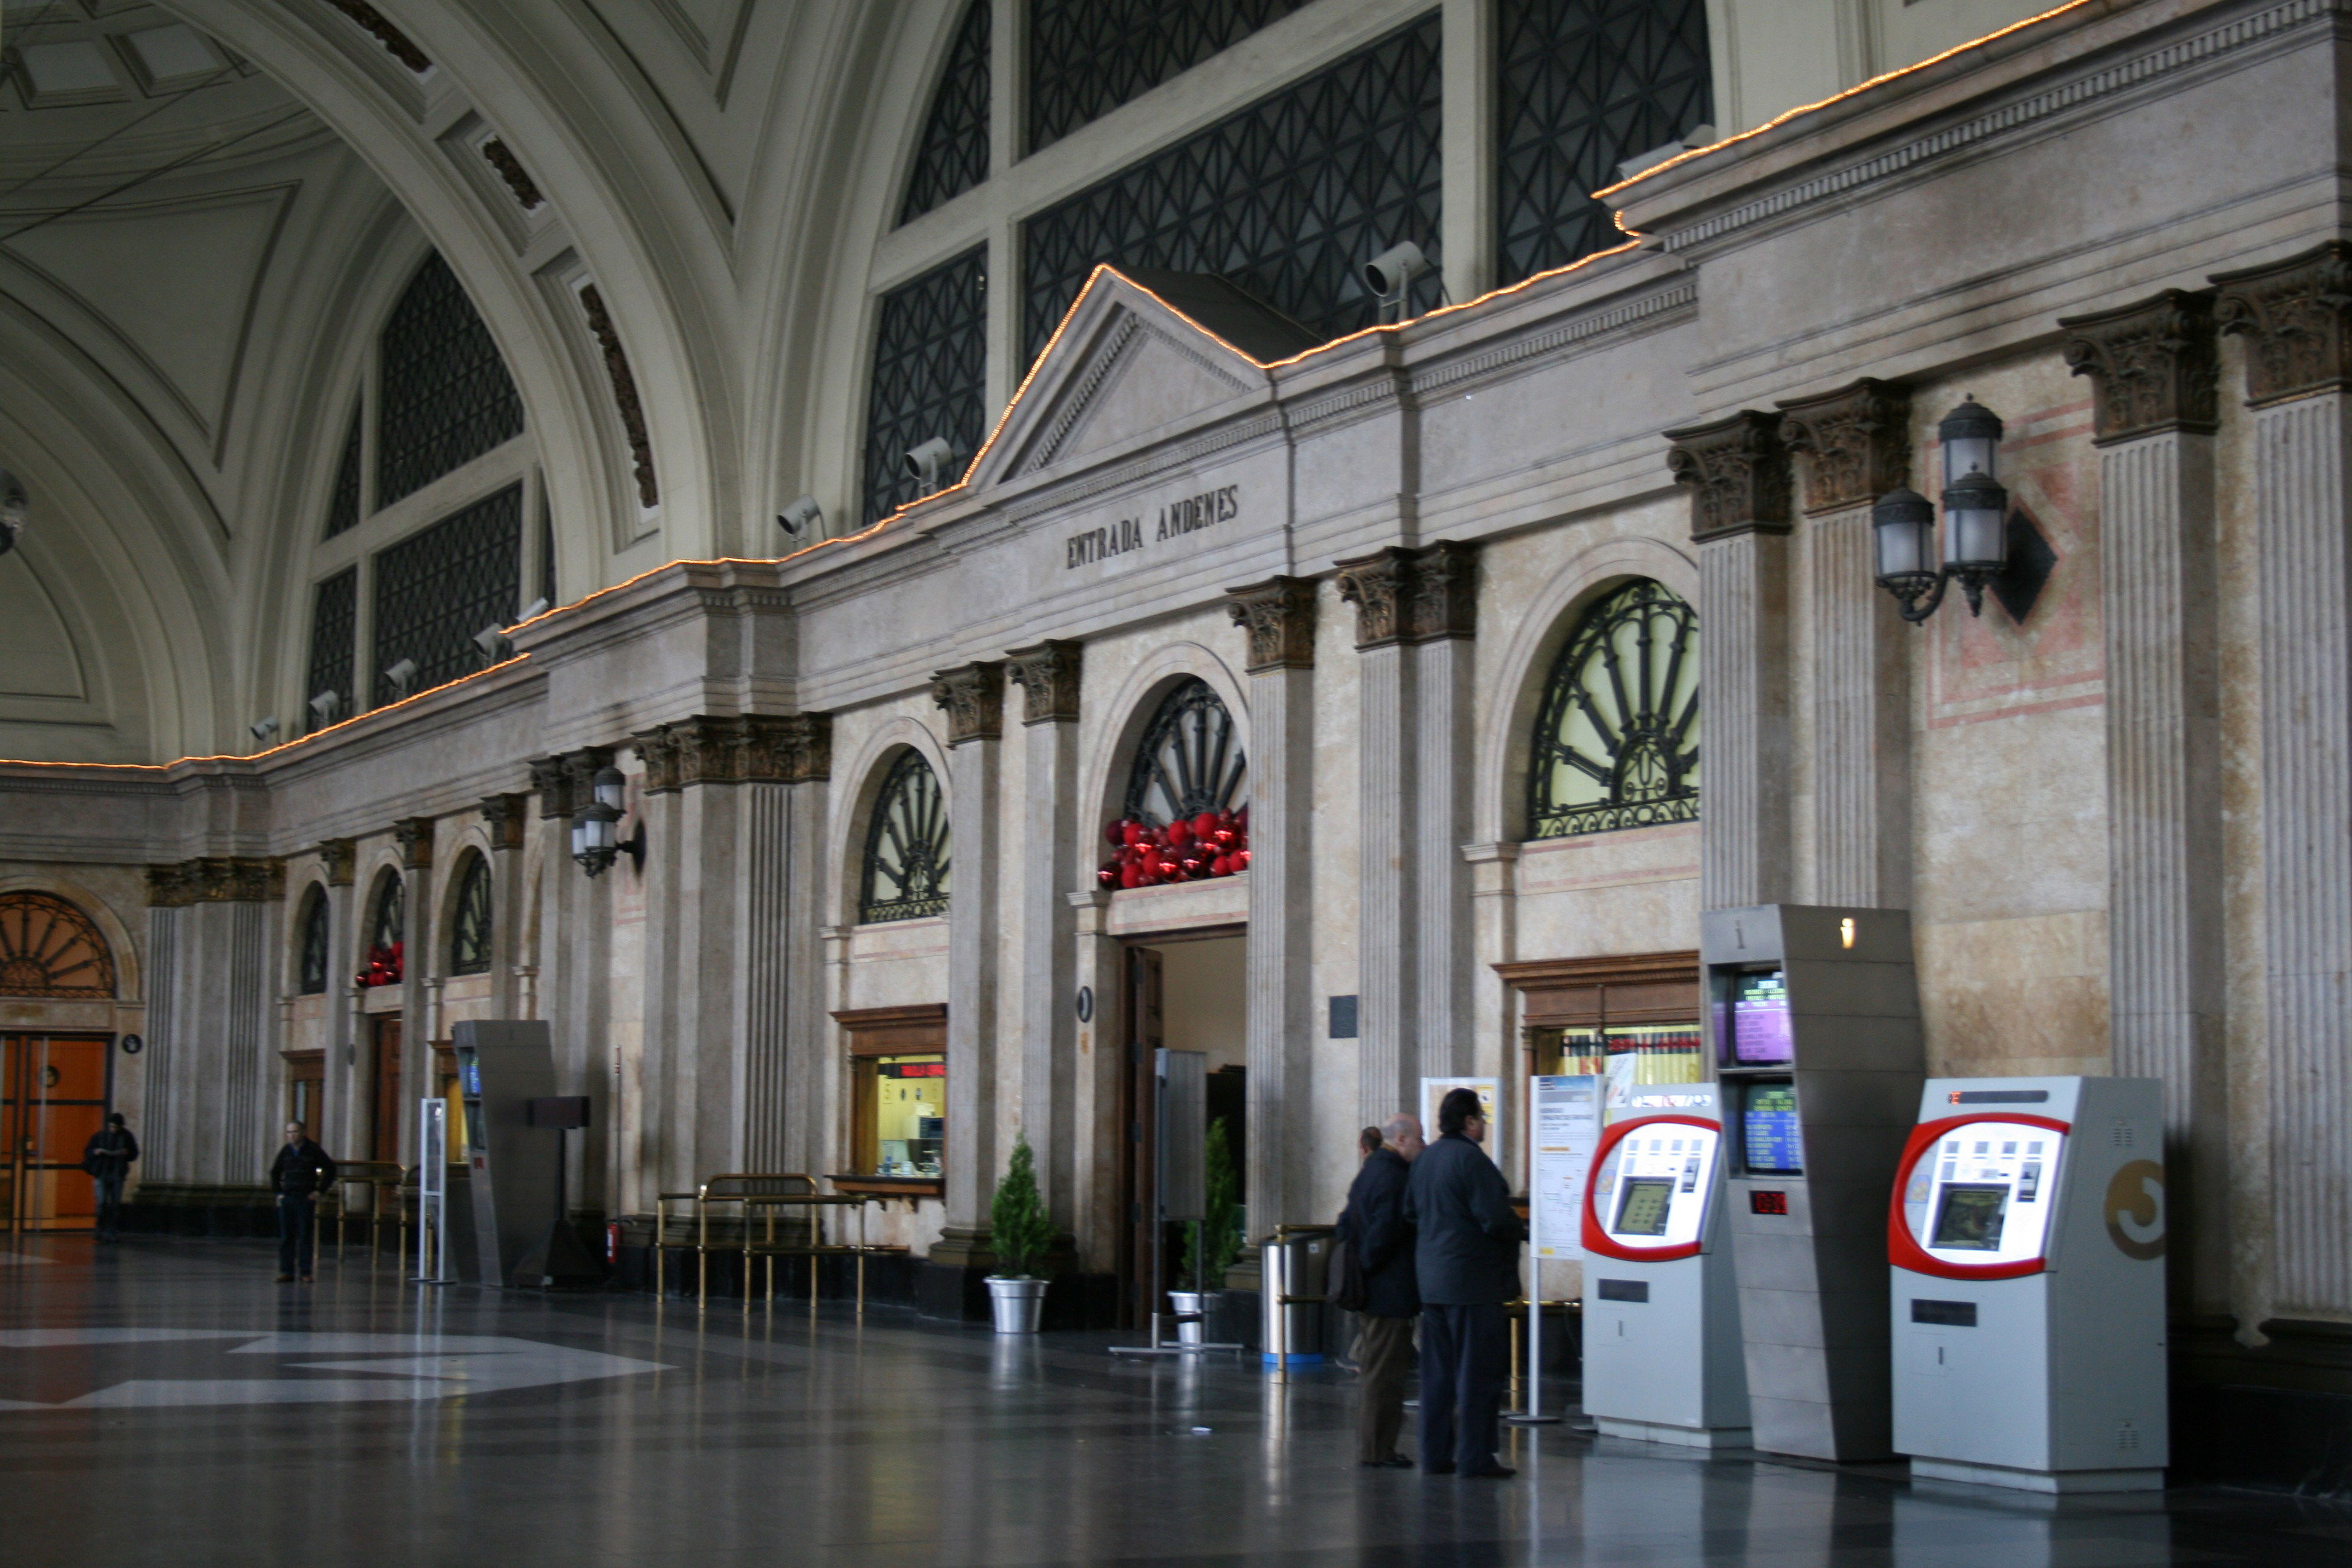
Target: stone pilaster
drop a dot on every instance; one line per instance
(2296, 318)
(341, 1103)
(216, 922)
(1856, 446)
(1388, 867)
(575, 963)
(2153, 370)
(507, 817)
(1053, 828)
(973, 697)
(1443, 620)
(1278, 617)
(414, 835)
(1737, 472)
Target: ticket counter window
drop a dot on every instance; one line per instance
(903, 1119)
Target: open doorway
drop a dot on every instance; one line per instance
(1184, 993)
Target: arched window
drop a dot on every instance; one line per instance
(446, 397)
(313, 956)
(953, 154)
(931, 369)
(388, 915)
(49, 948)
(1616, 743)
(1189, 762)
(1088, 56)
(906, 875)
(470, 931)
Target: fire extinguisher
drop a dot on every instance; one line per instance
(613, 1244)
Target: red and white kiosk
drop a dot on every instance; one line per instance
(2026, 1232)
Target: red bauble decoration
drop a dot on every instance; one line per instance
(1117, 833)
(1132, 832)
(1108, 876)
(1180, 834)
(1204, 824)
(1241, 860)
(1131, 874)
(1167, 869)
(1225, 837)
(1222, 865)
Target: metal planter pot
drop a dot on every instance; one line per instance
(1192, 1308)
(1017, 1304)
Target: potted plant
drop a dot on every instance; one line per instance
(1214, 1242)
(1019, 1233)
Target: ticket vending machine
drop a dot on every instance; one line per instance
(1813, 1017)
(1663, 1362)
(2026, 1233)
(510, 1165)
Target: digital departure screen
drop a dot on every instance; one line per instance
(1643, 1210)
(1773, 1146)
(1969, 1219)
(1760, 1034)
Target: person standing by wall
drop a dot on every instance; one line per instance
(1383, 1241)
(107, 1157)
(1466, 1241)
(301, 1173)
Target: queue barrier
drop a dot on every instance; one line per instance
(387, 1183)
(757, 1198)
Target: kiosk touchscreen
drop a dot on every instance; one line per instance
(1662, 1353)
(2026, 1232)
(1812, 1015)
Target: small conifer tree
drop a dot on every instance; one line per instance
(1019, 1230)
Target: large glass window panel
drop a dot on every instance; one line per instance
(334, 629)
(931, 370)
(953, 156)
(447, 397)
(1088, 56)
(436, 588)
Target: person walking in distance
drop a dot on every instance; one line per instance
(302, 1171)
(107, 1157)
(1383, 1241)
(1466, 1255)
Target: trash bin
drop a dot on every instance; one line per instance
(1294, 1266)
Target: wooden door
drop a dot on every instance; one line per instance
(53, 1097)
(1139, 1120)
(305, 1084)
(384, 1143)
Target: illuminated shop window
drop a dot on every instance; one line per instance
(1616, 742)
(902, 1107)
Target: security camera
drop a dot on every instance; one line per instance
(929, 463)
(325, 705)
(401, 674)
(803, 516)
(1390, 273)
(14, 508)
(264, 728)
(491, 640)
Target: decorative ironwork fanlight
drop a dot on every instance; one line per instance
(1616, 742)
(906, 846)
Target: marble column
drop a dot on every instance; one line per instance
(338, 1095)
(2155, 383)
(2296, 319)
(973, 697)
(159, 1139)
(1095, 1094)
(1443, 619)
(507, 817)
(1278, 618)
(575, 979)
(1856, 444)
(414, 835)
(1389, 865)
(1052, 828)
(1737, 472)
(214, 1111)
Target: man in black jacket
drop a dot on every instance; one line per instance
(1465, 1258)
(301, 1173)
(107, 1157)
(1375, 1228)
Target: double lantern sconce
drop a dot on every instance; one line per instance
(1976, 545)
(596, 833)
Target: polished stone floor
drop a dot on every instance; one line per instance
(164, 1401)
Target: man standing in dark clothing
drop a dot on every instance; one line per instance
(1465, 1257)
(107, 1157)
(1384, 1243)
(301, 1173)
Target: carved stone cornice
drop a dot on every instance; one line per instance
(340, 859)
(1445, 599)
(580, 770)
(507, 816)
(1737, 470)
(2296, 318)
(1278, 617)
(1856, 441)
(552, 784)
(396, 42)
(415, 837)
(1047, 674)
(2153, 365)
(1380, 587)
(750, 748)
(500, 156)
(216, 879)
(973, 696)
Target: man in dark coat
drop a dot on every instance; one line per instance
(301, 1173)
(107, 1157)
(1376, 1230)
(1465, 1258)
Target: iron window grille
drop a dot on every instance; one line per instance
(1288, 198)
(1582, 86)
(1088, 56)
(388, 916)
(906, 846)
(953, 156)
(469, 934)
(931, 369)
(445, 397)
(335, 631)
(546, 548)
(436, 588)
(314, 954)
(49, 948)
(1616, 741)
(1189, 761)
(344, 504)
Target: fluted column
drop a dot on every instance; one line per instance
(1278, 618)
(1737, 472)
(1052, 829)
(1387, 971)
(414, 835)
(2154, 380)
(576, 980)
(217, 928)
(1857, 448)
(2296, 317)
(1443, 619)
(339, 1099)
(973, 697)
(507, 817)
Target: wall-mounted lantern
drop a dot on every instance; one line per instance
(595, 843)
(1975, 545)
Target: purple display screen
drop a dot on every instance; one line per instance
(1761, 1034)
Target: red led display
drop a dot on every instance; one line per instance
(1767, 1203)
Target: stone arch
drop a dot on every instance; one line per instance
(846, 858)
(472, 845)
(1498, 809)
(54, 950)
(129, 968)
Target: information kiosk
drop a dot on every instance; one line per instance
(2027, 1237)
(1663, 1362)
(1812, 1015)
(510, 1165)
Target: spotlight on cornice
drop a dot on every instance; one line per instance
(929, 463)
(534, 610)
(1390, 277)
(803, 516)
(492, 640)
(14, 510)
(265, 728)
(402, 676)
(326, 705)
